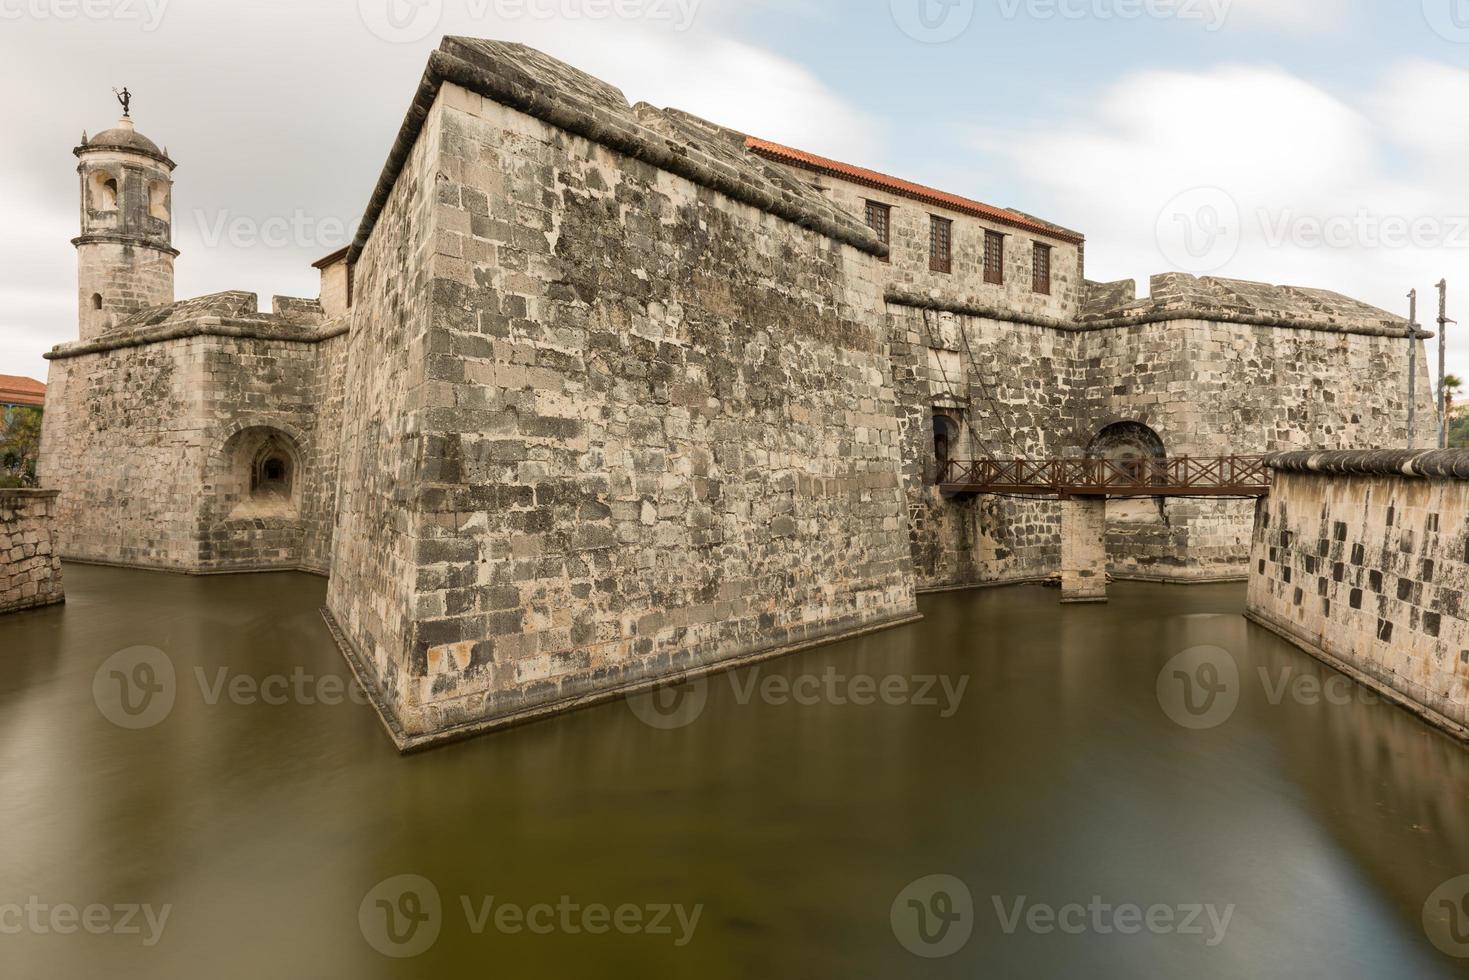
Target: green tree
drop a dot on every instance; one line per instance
(20, 446)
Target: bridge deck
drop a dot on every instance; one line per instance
(1178, 476)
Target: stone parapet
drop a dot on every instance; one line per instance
(30, 568)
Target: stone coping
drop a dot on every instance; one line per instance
(243, 328)
(964, 307)
(491, 71)
(27, 493)
(1421, 464)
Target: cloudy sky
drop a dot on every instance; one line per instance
(1314, 142)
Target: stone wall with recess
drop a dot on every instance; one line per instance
(1363, 559)
(30, 568)
(137, 443)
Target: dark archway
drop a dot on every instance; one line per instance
(946, 434)
(1137, 448)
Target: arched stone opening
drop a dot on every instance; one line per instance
(158, 200)
(96, 301)
(262, 474)
(1137, 448)
(103, 191)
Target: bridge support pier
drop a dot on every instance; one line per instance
(1084, 549)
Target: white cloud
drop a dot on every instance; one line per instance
(1357, 197)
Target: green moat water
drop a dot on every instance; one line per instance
(793, 817)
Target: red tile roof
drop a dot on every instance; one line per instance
(904, 188)
(15, 390)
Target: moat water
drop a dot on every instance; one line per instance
(1026, 752)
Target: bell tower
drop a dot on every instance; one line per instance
(124, 253)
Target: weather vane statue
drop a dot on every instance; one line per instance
(126, 98)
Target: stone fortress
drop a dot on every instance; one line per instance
(605, 394)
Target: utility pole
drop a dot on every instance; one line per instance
(1412, 365)
(1443, 345)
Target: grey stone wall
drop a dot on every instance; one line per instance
(657, 428)
(30, 568)
(1363, 559)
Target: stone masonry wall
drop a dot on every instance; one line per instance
(1216, 389)
(30, 568)
(658, 429)
(1363, 558)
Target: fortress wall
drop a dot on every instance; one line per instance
(319, 504)
(383, 360)
(122, 441)
(30, 568)
(1008, 386)
(1214, 389)
(659, 430)
(1368, 568)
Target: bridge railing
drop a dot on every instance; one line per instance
(1177, 476)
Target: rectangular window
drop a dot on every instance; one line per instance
(1040, 269)
(880, 220)
(941, 245)
(994, 258)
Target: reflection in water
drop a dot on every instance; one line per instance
(269, 824)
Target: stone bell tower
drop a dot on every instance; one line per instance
(124, 253)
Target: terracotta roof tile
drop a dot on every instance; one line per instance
(904, 188)
(15, 390)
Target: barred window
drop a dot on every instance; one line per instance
(994, 258)
(880, 220)
(1040, 269)
(940, 245)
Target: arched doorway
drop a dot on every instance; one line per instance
(1138, 448)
